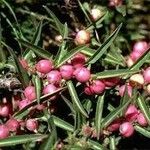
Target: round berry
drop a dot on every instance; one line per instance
(12, 125)
(142, 120)
(30, 93)
(4, 132)
(140, 47)
(31, 124)
(96, 14)
(146, 75)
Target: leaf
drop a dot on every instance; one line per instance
(37, 50)
(113, 115)
(141, 60)
(58, 24)
(63, 124)
(20, 139)
(112, 143)
(38, 87)
(69, 55)
(88, 51)
(98, 115)
(142, 131)
(33, 103)
(23, 76)
(75, 98)
(102, 49)
(144, 108)
(113, 73)
(97, 23)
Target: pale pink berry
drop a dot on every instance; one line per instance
(122, 90)
(146, 75)
(114, 126)
(23, 103)
(129, 61)
(5, 110)
(31, 124)
(126, 129)
(96, 14)
(110, 82)
(137, 80)
(54, 77)
(49, 89)
(142, 120)
(135, 55)
(148, 88)
(88, 90)
(78, 60)
(82, 37)
(66, 71)
(97, 87)
(58, 38)
(12, 125)
(82, 74)
(114, 3)
(44, 66)
(131, 113)
(4, 132)
(30, 93)
(140, 47)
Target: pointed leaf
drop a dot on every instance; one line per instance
(102, 49)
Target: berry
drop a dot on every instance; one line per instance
(129, 61)
(135, 55)
(114, 126)
(23, 103)
(96, 14)
(82, 74)
(30, 93)
(82, 37)
(88, 91)
(4, 132)
(126, 129)
(44, 66)
(131, 113)
(146, 75)
(110, 82)
(12, 125)
(114, 3)
(142, 120)
(122, 90)
(97, 87)
(5, 110)
(31, 124)
(66, 71)
(140, 47)
(54, 77)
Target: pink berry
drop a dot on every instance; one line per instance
(135, 55)
(110, 82)
(114, 3)
(49, 89)
(82, 37)
(140, 47)
(54, 77)
(88, 90)
(23, 103)
(31, 124)
(97, 87)
(12, 125)
(4, 132)
(146, 75)
(82, 74)
(126, 129)
(142, 120)
(66, 71)
(30, 93)
(44, 66)
(122, 90)
(114, 126)
(78, 60)
(5, 110)
(131, 113)
(96, 14)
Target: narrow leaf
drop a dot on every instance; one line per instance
(75, 98)
(102, 49)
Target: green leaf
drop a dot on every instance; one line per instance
(37, 50)
(58, 24)
(38, 87)
(141, 60)
(69, 55)
(98, 115)
(102, 49)
(112, 143)
(23, 76)
(34, 103)
(88, 51)
(142, 131)
(113, 115)
(75, 98)
(96, 24)
(144, 108)
(122, 9)
(63, 124)
(113, 73)
(20, 139)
